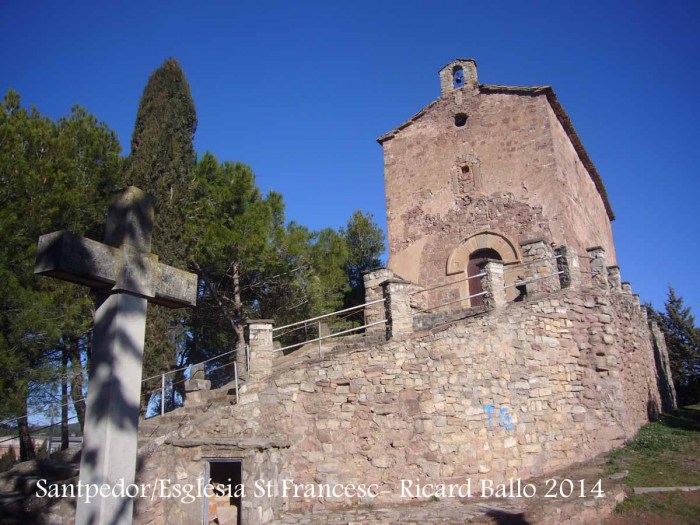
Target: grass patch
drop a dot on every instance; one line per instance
(663, 508)
(664, 453)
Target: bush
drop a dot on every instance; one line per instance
(8, 460)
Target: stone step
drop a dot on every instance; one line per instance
(332, 345)
(222, 396)
(22, 478)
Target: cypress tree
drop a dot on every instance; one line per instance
(161, 163)
(162, 155)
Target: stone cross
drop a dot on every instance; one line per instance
(125, 276)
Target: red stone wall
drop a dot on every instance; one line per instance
(524, 180)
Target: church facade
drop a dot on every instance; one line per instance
(482, 169)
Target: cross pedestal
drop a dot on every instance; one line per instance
(124, 276)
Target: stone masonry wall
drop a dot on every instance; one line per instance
(415, 408)
(513, 392)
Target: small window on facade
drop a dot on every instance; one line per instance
(460, 119)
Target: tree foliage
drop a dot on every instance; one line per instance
(162, 154)
(8, 460)
(251, 264)
(683, 342)
(53, 175)
(161, 163)
(210, 217)
(365, 244)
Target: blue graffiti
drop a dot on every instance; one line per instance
(504, 419)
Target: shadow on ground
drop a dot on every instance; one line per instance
(686, 418)
(501, 517)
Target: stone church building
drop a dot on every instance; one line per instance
(502, 342)
(486, 167)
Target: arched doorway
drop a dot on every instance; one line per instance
(489, 245)
(475, 259)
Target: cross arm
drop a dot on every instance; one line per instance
(69, 257)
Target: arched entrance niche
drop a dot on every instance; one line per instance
(477, 248)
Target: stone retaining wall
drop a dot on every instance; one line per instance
(510, 393)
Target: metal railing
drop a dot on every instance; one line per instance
(482, 274)
(324, 316)
(319, 339)
(304, 324)
(534, 261)
(168, 386)
(452, 302)
(527, 281)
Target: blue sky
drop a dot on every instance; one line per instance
(301, 90)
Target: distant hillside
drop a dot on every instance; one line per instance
(73, 429)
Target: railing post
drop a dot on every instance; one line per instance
(320, 345)
(373, 281)
(542, 264)
(397, 304)
(235, 379)
(162, 394)
(261, 349)
(599, 271)
(493, 283)
(568, 263)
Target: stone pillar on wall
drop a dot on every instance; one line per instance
(397, 303)
(635, 300)
(626, 288)
(614, 279)
(261, 349)
(373, 280)
(599, 271)
(541, 268)
(197, 385)
(568, 263)
(493, 283)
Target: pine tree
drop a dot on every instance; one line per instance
(251, 264)
(233, 232)
(161, 163)
(365, 243)
(53, 175)
(683, 342)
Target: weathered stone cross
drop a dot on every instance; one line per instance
(125, 276)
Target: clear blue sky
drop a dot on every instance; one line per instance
(301, 90)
